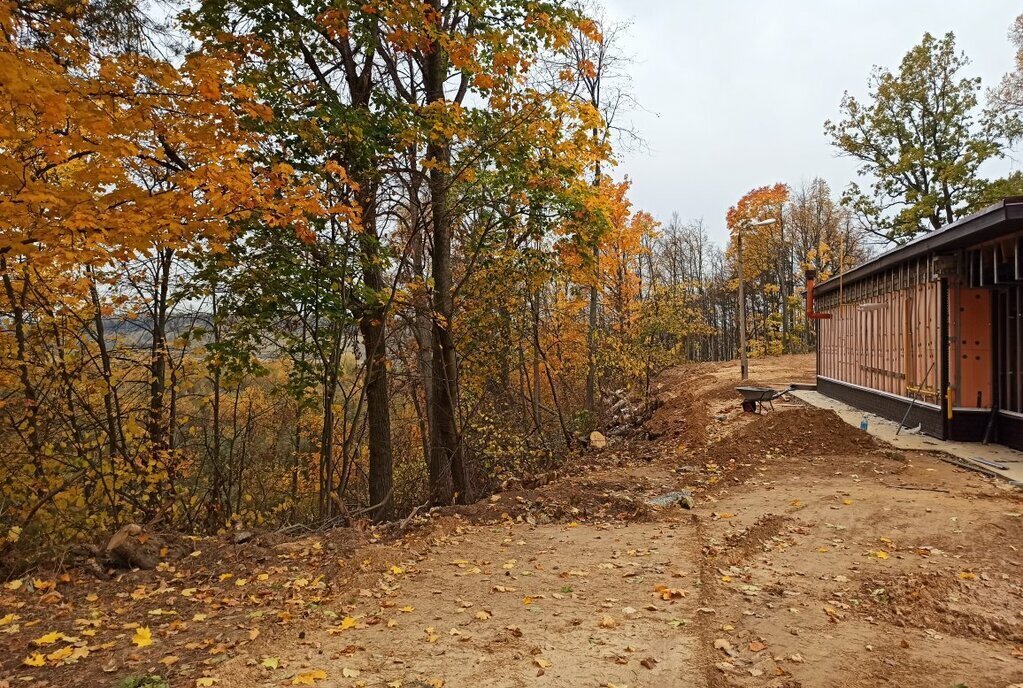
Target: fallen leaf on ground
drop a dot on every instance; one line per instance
(670, 593)
(143, 636)
(308, 678)
(49, 638)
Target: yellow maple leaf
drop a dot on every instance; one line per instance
(48, 639)
(35, 659)
(270, 663)
(77, 653)
(396, 570)
(143, 636)
(205, 682)
(308, 678)
(61, 654)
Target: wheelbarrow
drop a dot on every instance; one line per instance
(755, 398)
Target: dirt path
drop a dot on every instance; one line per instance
(513, 605)
(814, 556)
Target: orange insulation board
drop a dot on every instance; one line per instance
(970, 372)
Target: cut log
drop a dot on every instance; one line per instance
(240, 537)
(124, 550)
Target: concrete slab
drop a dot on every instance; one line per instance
(993, 459)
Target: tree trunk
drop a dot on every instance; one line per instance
(422, 329)
(447, 473)
(219, 500)
(591, 328)
(158, 357)
(34, 440)
(111, 406)
(535, 390)
(373, 325)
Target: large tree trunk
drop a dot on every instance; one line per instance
(447, 473)
(372, 324)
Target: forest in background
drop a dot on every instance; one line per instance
(295, 263)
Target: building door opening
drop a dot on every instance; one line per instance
(1008, 335)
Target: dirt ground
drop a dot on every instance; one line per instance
(814, 556)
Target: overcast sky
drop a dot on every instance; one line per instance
(735, 92)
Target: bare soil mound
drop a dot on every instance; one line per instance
(797, 432)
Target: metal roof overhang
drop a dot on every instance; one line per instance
(982, 226)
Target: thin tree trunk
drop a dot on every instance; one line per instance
(115, 437)
(35, 445)
(218, 506)
(158, 357)
(535, 391)
(422, 329)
